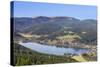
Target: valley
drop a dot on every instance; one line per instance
(58, 32)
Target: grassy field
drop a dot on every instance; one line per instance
(79, 58)
(69, 37)
(86, 57)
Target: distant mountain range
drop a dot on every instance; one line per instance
(56, 26)
(47, 25)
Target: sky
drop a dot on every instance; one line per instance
(34, 9)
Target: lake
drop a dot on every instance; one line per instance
(53, 49)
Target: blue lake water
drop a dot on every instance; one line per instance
(53, 49)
